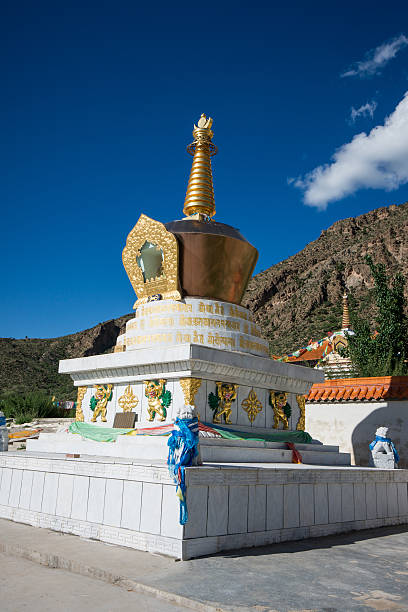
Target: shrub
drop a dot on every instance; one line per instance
(26, 407)
(383, 353)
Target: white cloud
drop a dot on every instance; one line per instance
(377, 58)
(363, 111)
(378, 160)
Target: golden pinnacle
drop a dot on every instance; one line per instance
(345, 324)
(199, 198)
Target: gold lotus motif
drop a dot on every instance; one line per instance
(128, 400)
(252, 405)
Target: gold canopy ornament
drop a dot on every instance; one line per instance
(200, 191)
(150, 258)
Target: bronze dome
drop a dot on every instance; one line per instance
(215, 260)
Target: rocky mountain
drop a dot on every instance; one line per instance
(300, 298)
(293, 301)
(33, 363)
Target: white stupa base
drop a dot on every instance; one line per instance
(133, 503)
(246, 493)
(134, 367)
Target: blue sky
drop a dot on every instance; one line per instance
(98, 104)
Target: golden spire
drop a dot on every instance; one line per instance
(345, 324)
(200, 192)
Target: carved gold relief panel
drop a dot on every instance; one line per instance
(221, 401)
(99, 401)
(281, 409)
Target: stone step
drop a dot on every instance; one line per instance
(220, 453)
(321, 448)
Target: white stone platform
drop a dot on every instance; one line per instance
(133, 503)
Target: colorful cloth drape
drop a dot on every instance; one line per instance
(96, 432)
(110, 434)
(312, 346)
(275, 435)
(183, 447)
(296, 456)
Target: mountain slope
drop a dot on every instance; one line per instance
(33, 363)
(300, 298)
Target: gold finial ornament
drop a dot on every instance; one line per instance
(200, 191)
(345, 324)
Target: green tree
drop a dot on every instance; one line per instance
(382, 353)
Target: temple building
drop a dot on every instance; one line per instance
(324, 354)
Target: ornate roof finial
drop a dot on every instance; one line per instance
(200, 191)
(345, 324)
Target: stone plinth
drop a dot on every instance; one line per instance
(134, 503)
(383, 461)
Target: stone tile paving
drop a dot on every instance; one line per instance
(359, 571)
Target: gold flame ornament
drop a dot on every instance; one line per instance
(128, 400)
(190, 386)
(150, 258)
(301, 402)
(252, 405)
(79, 415)
(199, 198)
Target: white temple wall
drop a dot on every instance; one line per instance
(352, 426)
